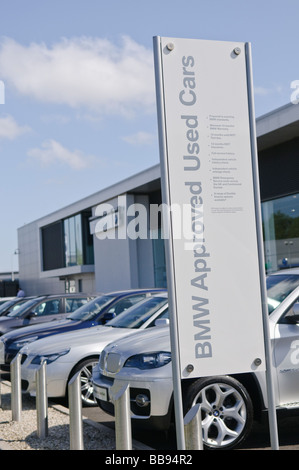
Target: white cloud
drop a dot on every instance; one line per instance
(9, 129)
(264, 91)
(82, 72)
(140, 138)
(52, 152)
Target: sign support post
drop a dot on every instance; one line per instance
(269, 376)
(177, 392)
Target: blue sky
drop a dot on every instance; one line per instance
(79, 111)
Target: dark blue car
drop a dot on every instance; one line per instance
(96, 312)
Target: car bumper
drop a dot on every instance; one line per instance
(151, 401)
(56, 378)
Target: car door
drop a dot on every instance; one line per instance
(47, 310)
(286, 355)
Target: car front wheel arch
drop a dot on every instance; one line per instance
(226, 410)
(84, 367)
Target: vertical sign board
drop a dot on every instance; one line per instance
(207, 170)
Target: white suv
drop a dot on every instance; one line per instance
(229, 404)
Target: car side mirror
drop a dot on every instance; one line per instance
(162, 322)
(107, 317)
(31, 314)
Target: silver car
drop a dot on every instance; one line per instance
(68, 353)
(229, 404)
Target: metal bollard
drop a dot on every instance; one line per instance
(2, 354)
(123, 431)
(16, 391)
(193, 428)
(42, 401)
(75, 407)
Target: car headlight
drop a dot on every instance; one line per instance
(149, 361)
(49, 357)
(17, 345)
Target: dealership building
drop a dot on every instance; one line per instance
(88, 247)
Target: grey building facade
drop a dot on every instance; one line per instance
(67, 251)
(85, 247)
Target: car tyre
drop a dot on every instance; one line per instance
(85, 369)
(226, 411)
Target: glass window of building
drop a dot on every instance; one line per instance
(159, 260)
(52, 236)
(281, 232)
(87, 238)
(158, 242)
(73, 241)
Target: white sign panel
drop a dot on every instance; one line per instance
(207, 171)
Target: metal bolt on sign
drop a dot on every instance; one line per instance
(75, 408)
(16, 392)
(42, 401)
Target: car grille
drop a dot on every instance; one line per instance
(113, 363)
(102, 360)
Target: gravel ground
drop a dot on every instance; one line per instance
(22, 435)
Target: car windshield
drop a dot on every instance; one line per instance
(92, 309)
(137, 315)
(279, 286)
(23, 308)
(7, 304)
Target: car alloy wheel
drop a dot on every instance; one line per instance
(85, 369)
(226, 411)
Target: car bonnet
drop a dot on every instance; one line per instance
(99, 335)
(153, 339)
